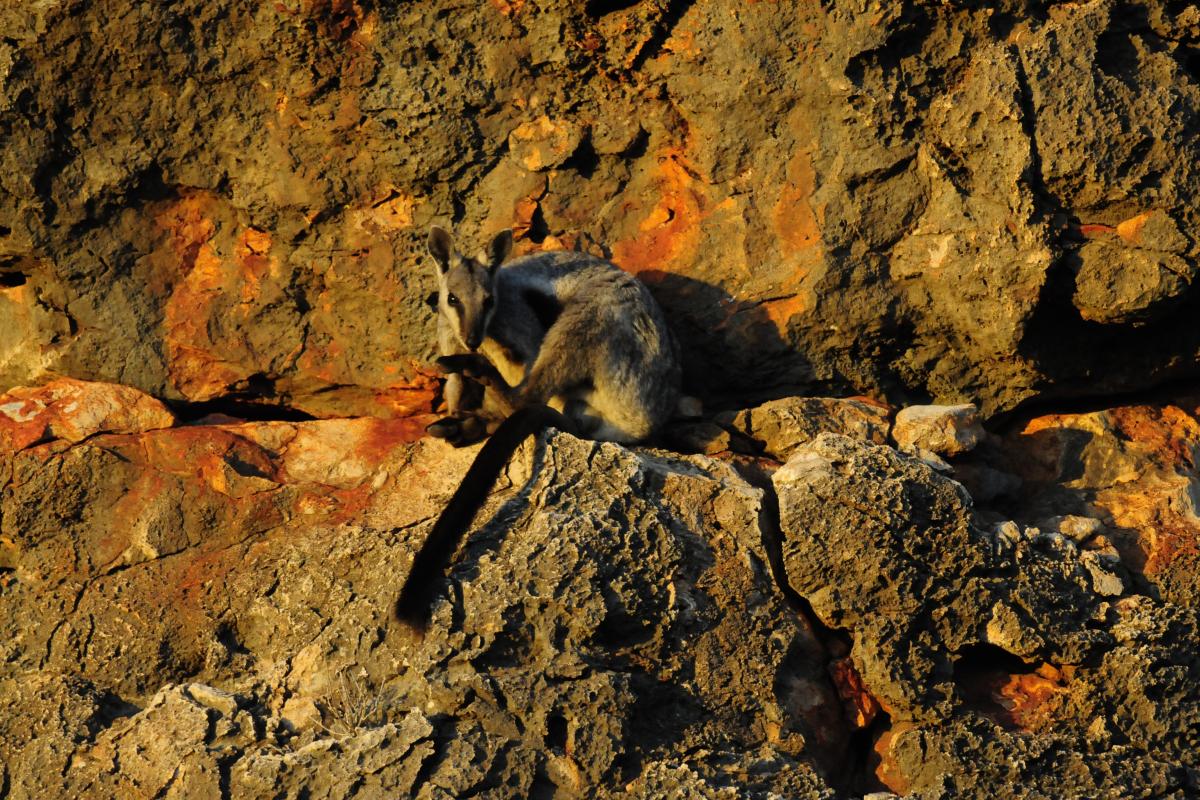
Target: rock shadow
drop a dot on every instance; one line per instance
(733, 353)
(1087, 363)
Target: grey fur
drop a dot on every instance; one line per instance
(607, 359)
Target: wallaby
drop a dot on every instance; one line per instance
(561, 329)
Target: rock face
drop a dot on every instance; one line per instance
(927, 201)
(215, 344)
(202, 610)
(617, 616)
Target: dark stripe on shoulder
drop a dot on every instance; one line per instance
(547, 309)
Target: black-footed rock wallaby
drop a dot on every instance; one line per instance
(560, 339)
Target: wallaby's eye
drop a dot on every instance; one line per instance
(487, 303)
(453, 300)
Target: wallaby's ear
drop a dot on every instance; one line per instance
(499, 249)
(440, 246)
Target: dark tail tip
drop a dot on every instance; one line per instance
(415, 605)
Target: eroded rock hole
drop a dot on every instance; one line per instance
(556, 733)
(12, 279)
(584, 160)
(539, 229)
(979, 671)
(1115, 53)
(1191, 63)
(983, 657)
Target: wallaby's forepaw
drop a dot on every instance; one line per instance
(470, 365)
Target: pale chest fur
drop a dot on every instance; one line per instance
(511, 370)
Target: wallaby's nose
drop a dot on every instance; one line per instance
(473, 341)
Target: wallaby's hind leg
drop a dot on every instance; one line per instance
(562, 365)
(449, 427)
(473, 365)
(591, 424)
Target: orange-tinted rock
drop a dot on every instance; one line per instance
(74, 410)
(861, 705)
(886, 769)
(1133, 467)
(198, 370)
(543, 143)
(1029, 700)
(198, 487)
(231, 310)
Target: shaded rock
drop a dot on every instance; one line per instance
(944, 430)
(702, 436)
(1118, 284)
(986, 484)
(964, 645)
(1134, 468)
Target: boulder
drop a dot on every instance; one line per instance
(942, 430)
(1002, 666)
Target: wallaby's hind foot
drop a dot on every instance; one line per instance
(448, 428)
(459, 431)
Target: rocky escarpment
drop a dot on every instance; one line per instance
(202, 609)
(920, 199)
(214, 379)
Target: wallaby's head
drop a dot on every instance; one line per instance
(466, 286)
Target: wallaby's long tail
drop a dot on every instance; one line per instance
(424, 579)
